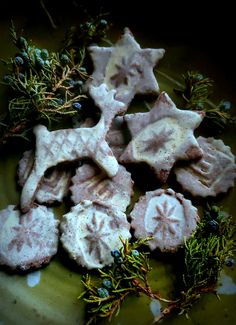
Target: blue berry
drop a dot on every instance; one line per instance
(76, 105)
(21, 76)
(107, 284)
(78, 83)
(103, 292)
(40, 62)
(59, 101)
(103, 22)
(8, 79)
(225, 105)
(213, 225)
(198, 77)
(115, 253)
(229, 261)
(118, 260)
(37, 53)
(135, 253)
(64, 59)
(19, 61)
(25, 56)
(44, 54)
(21, 43)
(82, 69)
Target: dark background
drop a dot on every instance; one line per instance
(207, 23)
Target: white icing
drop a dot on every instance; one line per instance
(33, 278)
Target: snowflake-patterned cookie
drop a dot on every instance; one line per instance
(214, 173)
(126, 67)
(162, 136)
(29, 240)
(53, 187)
(166, 216)
(91, 230)
(90, 183)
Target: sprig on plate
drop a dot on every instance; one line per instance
(127, 276)
(196, 92)
(205, 254)
(46, 86)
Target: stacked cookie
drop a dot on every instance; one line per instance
(101, 188)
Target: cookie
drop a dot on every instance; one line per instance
(214, 173)
(105, 100)
(126, 67)
(166, 216)
(91, 230)
(66, 145)
(29, 240)
(54, 185)
(89, 183)
(162, 136)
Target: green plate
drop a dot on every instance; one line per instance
(49, 295)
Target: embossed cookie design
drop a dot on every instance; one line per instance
(27, 241)
(91, 230)
(166, 216)
(53, 187)
(214, 173)
(66, 145)
(89, 183)
(126, 67)
(162, 136)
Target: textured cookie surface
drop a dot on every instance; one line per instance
(126, 67)
(54, 186)
(29, 240)
(91, 230)
(89, 183)
(162, 136)
(214, 173)
(166, 216)
(66, 145)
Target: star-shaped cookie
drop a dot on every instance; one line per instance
(126, 67)
(162, 136)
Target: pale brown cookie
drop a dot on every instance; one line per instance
(162, 136)
(90, 183)
(166, 216)
(91, 230)
(126, 67)
(29, 240)
(54, 185)
(67, 145)
(214, 173)
(105, 100)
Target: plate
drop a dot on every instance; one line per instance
(49, 295)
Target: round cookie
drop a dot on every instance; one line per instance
(91, 230)
(29, 240)
(214, 173)
(166, 216)
(90, 183)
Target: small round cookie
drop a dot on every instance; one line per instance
(90, 183)
(29, 240)
(166, 216)
(214, 173)
(91, 230)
